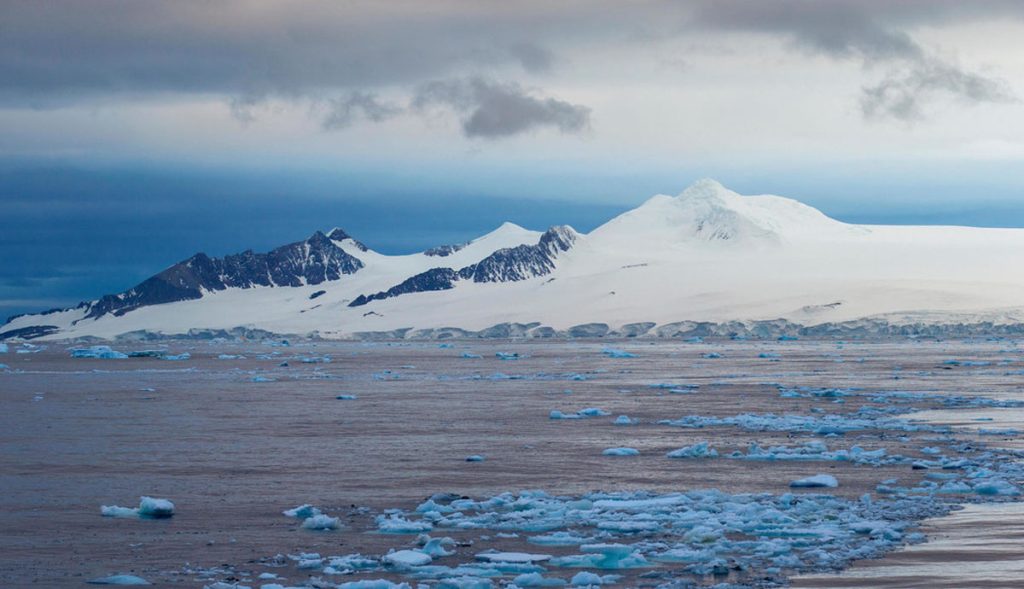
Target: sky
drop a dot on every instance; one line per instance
(134, 134)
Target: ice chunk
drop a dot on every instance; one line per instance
(512, 557)
(407, 558)
(530, 580)
(119, 580)
(816, 481)
(399, 525)
(3, 348)
(474, 458)
(302, 512)
(588, 412)
(149, 508)
(373, 584)
(470, 355)
(604, 556)
(624, 420)
(435, 547)
(589, 579)
(507, 355)
(104, 352)
(261, 378)
(616, 353)
(176, 357)
(346, 397)
(621, 452)
(698, 450)
(321, 522)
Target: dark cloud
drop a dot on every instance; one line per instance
(342, 111)
(901, 93)
(493, 109)
(869, 31)
(62, 51)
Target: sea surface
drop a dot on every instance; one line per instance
(237, 432)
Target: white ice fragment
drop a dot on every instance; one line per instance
(512, 557)
(407, 558)
(149, 508)
(621, 452)
(698, 450)
(302, 512)
(321, 522)
(624, 420)
(119, 580)
(530, 580)
(816, 481)
(474, 458)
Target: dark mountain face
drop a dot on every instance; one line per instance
(312, 261)
(505, 265)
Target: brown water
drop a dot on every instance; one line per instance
(231, 453)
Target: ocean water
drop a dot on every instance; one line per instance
(233, 438)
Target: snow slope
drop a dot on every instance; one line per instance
(708, 254)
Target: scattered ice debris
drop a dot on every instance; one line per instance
(604, 556)
(119, 580)
(620, 452)
(176, 357)
(588, 412)
(617, 353)
(816, 481)
(561, 538)
(470, 355)
(302, 512)
(374, 584)
(103, 352)
(507, 355)
(711, 355)
(589, 579)
(396, 524)
(407, 558)
(346, 397)
(321, 522)
(229, 357)
(698, 450)
(531, 580)
(474, 458)
(315, 360)
(823, 425)
(261, 378)
(435, 547)
(512, 557)
(624, 420)
(149, 508)
(817, 451)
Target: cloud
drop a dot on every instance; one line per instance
(865, 31)
(342, 111)
(901, 94)
(491, 109)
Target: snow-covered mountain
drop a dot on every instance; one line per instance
(706, 255)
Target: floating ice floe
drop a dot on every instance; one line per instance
(374, 584)
(470, 356)
(507, 355)
(149, 508)
(3, 348)
(103, 352)
(302, 512)
(396, 524)
(119, 580)
(582, 413)
(261, 378)
(407, 558)
(698, 450)
(604, 556)
(512, 557)
(435, 547)
(620, 452)
(816, 481)
(531, 580)
(617, 353)
(817, 451)
(624, 420)
(321, 522)
(589, 579)
(474, 458)
(176, 357)
(346, 397)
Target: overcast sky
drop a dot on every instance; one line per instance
(133, 134)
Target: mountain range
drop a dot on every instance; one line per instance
(707, 257)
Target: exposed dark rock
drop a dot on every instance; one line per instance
(433, 279)
(312, 261)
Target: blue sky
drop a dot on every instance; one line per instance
(129, 143)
